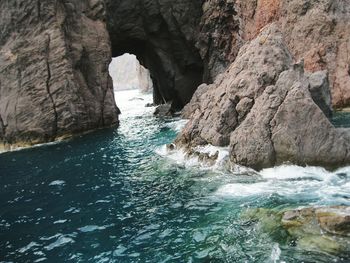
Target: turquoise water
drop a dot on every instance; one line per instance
(111, 197)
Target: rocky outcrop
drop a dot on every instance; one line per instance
(317, 31)
(54, 56)
(54, 81)
(262, 107)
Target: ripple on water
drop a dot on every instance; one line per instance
(62, 240)
(92, 228)
(57, 183)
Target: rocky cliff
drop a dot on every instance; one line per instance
(267, 109)
(54, 81)
(317, 31)
(54, 54)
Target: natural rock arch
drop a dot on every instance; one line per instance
(163, 40)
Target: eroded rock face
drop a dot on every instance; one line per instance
(54, 57)
(54, 80)
(263, 109)
(315, 30)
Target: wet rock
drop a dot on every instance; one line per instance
(164, 110)
(323, 228)
(334, 220)
(148, 105)
(313, 228)
(263, 109)
(171, 147)
(207, 159)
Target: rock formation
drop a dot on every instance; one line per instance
(54, 56)
(54, 80)
(127, 73)
(263, 108)
(162, 34)
(315, 30)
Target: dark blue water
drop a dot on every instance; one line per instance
(109, 197)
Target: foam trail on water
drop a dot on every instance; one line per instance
(180, 157)
(313, 184)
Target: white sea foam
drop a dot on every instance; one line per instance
(179, 156)
(177, 125)
(132, 103)
(313, 184)
(62, 221)
(275, 253)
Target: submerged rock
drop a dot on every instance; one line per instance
(324, 228)
(263, 109)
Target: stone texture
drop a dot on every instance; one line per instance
(54, 81)
(315, 30)
(263, 109)
(54, 56)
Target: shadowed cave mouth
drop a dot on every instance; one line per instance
(174, 80)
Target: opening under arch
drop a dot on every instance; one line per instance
(175, 75)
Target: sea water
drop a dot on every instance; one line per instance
(117, 195)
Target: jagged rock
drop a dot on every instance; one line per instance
(282, 122)
(54, 57)
(322, 228)
(317, 31)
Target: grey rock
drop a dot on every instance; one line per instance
(164, 110)
(279, 122)
(54, 78)
(320, 92)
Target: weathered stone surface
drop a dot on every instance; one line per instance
(164, 110)
(280, 121)
(54, 56)
(315, 30)
(54, 81)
